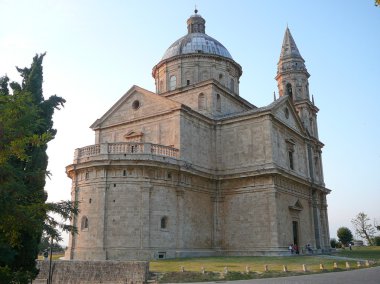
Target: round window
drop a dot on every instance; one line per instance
(286, 113)
(136, 104)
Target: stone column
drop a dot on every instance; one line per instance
(217, 235)
(180, 218)
(69, 255)
(145, 217)
(316, 219)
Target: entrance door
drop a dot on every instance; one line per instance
(295, 233)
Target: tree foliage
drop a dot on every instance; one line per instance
(377, 2)
(363, 227)
(344, 235)
(26, 126)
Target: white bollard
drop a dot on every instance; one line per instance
(284, 268)
(266, 268)
(347, 265)
(321, 266)
(304, 268)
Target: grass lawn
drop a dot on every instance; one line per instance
(370, 253)
(169, 269)
(55, 256)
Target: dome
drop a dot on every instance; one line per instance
(196, 41)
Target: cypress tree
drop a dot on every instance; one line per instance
(26, 126)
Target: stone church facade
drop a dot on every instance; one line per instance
(193, 169)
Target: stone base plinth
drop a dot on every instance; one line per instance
(80, 272)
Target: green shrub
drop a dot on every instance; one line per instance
(333, 242)
(376, 241)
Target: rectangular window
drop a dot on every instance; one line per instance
(291, 162)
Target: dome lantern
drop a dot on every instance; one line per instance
(196, 24)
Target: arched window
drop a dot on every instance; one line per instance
(218, 103)
(173, 83)
(84, 223)
(201, 102)
(232, 85)
(289, 90)
(164, 222)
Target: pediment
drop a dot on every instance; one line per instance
(285, 112)
(297, 206)
(137, 103)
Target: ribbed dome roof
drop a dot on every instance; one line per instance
(196, 41)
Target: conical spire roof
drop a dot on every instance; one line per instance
(289, 48)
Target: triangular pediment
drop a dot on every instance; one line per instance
(297, 206)
(284, 111)
(137, 103)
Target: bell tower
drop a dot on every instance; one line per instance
(293, 80)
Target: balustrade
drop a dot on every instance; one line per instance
(127, 148)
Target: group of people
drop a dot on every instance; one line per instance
(293, 248)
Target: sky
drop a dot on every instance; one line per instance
(97, 50)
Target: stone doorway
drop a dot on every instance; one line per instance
(295, 232)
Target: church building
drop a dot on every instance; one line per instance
(194, 169)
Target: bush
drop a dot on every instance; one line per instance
(376, 241)
(333, 242)
(344, 234)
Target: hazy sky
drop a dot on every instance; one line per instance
(96, 50)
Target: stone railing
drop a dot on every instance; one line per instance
(126, 148)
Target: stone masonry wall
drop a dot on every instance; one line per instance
(80, 272)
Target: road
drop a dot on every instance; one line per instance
(366, 275)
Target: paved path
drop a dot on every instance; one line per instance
(366, 275)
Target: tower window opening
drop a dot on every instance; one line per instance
(187, 82)
(289, 90)
(90, 200)
(232, 85)
(124, 173)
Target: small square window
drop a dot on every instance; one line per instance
(161, 255)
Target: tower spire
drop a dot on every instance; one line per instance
(293, 81)
(289, 47)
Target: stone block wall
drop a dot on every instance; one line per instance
(80, 272)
